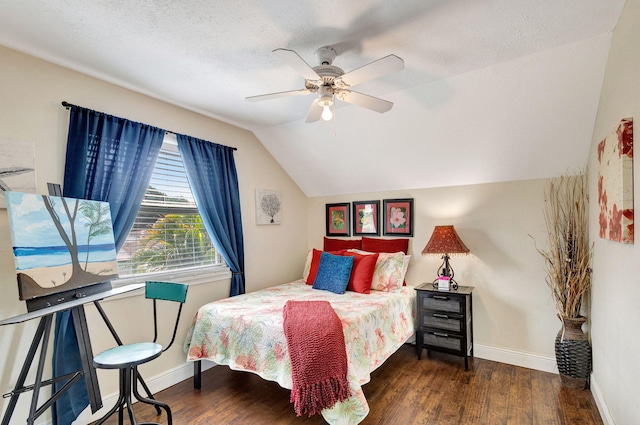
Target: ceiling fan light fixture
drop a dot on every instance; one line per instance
(326, 101)
(327, 114)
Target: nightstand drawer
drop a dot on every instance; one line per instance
(443, 340)
(443, 321)
(442, 302)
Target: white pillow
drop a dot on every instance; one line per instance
(361, 252)
(405, 266)
(307, 265)
(389, 273)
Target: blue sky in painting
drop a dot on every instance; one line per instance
(32, 226)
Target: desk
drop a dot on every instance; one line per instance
(41, 338)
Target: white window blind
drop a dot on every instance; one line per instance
(168, 233)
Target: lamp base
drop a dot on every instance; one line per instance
(453, 284)
(447, 273)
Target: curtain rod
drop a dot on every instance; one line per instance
(69, 105)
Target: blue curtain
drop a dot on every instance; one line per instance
(211, 171)
(108, 159)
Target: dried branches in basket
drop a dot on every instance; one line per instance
(568, 254)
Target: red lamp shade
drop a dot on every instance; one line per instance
(445, 240)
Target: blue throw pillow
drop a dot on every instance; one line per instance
(334, 272)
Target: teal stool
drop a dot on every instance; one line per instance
(126, 358)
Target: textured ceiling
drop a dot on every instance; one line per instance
(207, 56)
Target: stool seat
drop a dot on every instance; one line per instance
(127, 355)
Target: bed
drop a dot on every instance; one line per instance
(246, 333)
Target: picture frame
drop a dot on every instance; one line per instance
(338, 219)
(398, 217)
(366, 220)
(615, 184)
(268, 207)
(18, 166)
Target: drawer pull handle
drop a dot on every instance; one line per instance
(441, 335)
(441, 316)
(440, 297)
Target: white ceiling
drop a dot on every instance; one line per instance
(492, 90)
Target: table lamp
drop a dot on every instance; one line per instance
(445, 241)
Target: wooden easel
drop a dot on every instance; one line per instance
(45, 311)
(41, 339)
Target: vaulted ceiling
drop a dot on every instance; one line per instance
(491, 90)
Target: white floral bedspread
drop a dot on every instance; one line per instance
(245, 332)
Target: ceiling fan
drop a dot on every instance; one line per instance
(330, 82)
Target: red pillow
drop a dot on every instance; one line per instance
(385, 245)
(331, 244)
(362, 272)
(315, 263)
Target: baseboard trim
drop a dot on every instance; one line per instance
(599, 399)
(516, 358)
(155, 383)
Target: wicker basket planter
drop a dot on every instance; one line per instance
(573, 354)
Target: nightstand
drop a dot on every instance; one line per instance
(445, 321)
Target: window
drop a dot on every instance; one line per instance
(168, 237)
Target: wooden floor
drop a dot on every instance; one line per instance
(434, 390)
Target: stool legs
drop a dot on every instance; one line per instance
(146, 389)
(128, 386)
(157, 404)
(119, 404)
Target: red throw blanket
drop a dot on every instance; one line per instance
(318, 356)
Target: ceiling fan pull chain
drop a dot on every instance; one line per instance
(335, 131)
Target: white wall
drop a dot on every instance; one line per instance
(31, 111)
(513, 313)
(615, 314)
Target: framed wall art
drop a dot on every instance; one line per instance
(398, 217)
(338, 219)
(365, 218)
(17, 168)
(268, 206)
(615, 184)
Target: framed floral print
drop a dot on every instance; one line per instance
(615, 184)
(338, 223)
(365, 218)
(398, 217)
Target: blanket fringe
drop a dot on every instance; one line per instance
(313, 398)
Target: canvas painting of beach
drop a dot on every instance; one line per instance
(60, 243)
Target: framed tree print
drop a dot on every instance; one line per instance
(398, 217)
(365, 218)
(338, 219)
(268, 206)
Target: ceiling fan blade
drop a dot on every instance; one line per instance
(376, 69)
(277, 95)
(364, 100)
(297, 63)
(315, 112)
